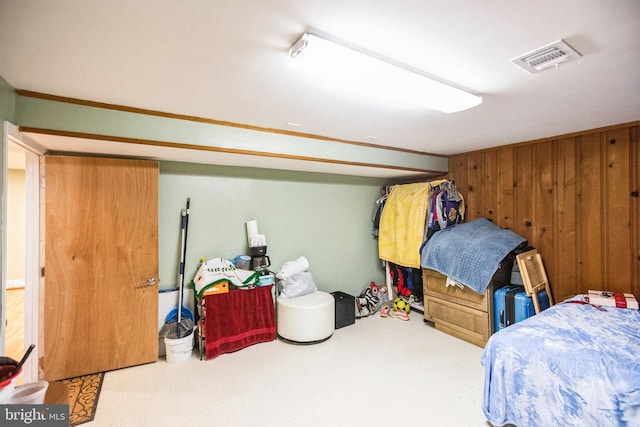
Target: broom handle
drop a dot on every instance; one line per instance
(186, 229)
(183, 256)
(184, 249)
(183, 241)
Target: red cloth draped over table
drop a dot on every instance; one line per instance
(238, 319)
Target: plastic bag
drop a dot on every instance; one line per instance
(216, 270)
(297, 285)
(299, 265)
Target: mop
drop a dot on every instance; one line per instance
(176, 314)
(180, 327)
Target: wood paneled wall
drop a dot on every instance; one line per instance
(574, 197)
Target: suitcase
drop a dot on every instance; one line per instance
(511, 304)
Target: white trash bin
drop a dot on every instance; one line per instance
(179, 349)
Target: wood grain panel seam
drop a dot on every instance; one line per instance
(604, 250)
(634, 176)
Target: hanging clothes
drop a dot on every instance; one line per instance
(402, 224)
(450, 205)
(446, 208)
(407, 215)
(377, 211)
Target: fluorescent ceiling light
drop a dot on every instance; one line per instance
(372, 75)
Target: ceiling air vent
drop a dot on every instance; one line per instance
(546, 56)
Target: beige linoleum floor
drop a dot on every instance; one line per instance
(377, 372)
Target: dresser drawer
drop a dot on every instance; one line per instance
(434, 285)
(466, 323)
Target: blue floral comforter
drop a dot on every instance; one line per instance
(571, 365)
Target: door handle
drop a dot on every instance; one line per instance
(149, 282)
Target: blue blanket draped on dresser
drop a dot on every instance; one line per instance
(469, 253)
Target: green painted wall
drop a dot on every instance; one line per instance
(7, 101)
(326, 218)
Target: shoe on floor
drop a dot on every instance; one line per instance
(402, 315)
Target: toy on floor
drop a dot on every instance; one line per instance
(401, 304)
(370, 300)
(399, 309)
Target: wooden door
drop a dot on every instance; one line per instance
(101, 265)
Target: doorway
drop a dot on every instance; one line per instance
(16, 252)
(21, 249)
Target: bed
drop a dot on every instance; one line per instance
(574, 364)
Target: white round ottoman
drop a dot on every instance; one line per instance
(306, 319)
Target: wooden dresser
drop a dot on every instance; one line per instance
(462, 313)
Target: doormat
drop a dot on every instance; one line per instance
(84, 392)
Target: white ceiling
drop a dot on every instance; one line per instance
(226, 60)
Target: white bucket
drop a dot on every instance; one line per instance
(179, 349)
(32, 393)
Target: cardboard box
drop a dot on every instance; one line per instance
(613, 299)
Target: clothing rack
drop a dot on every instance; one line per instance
(385, 192)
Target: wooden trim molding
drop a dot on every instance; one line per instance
(185, 146)
(156, 113)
